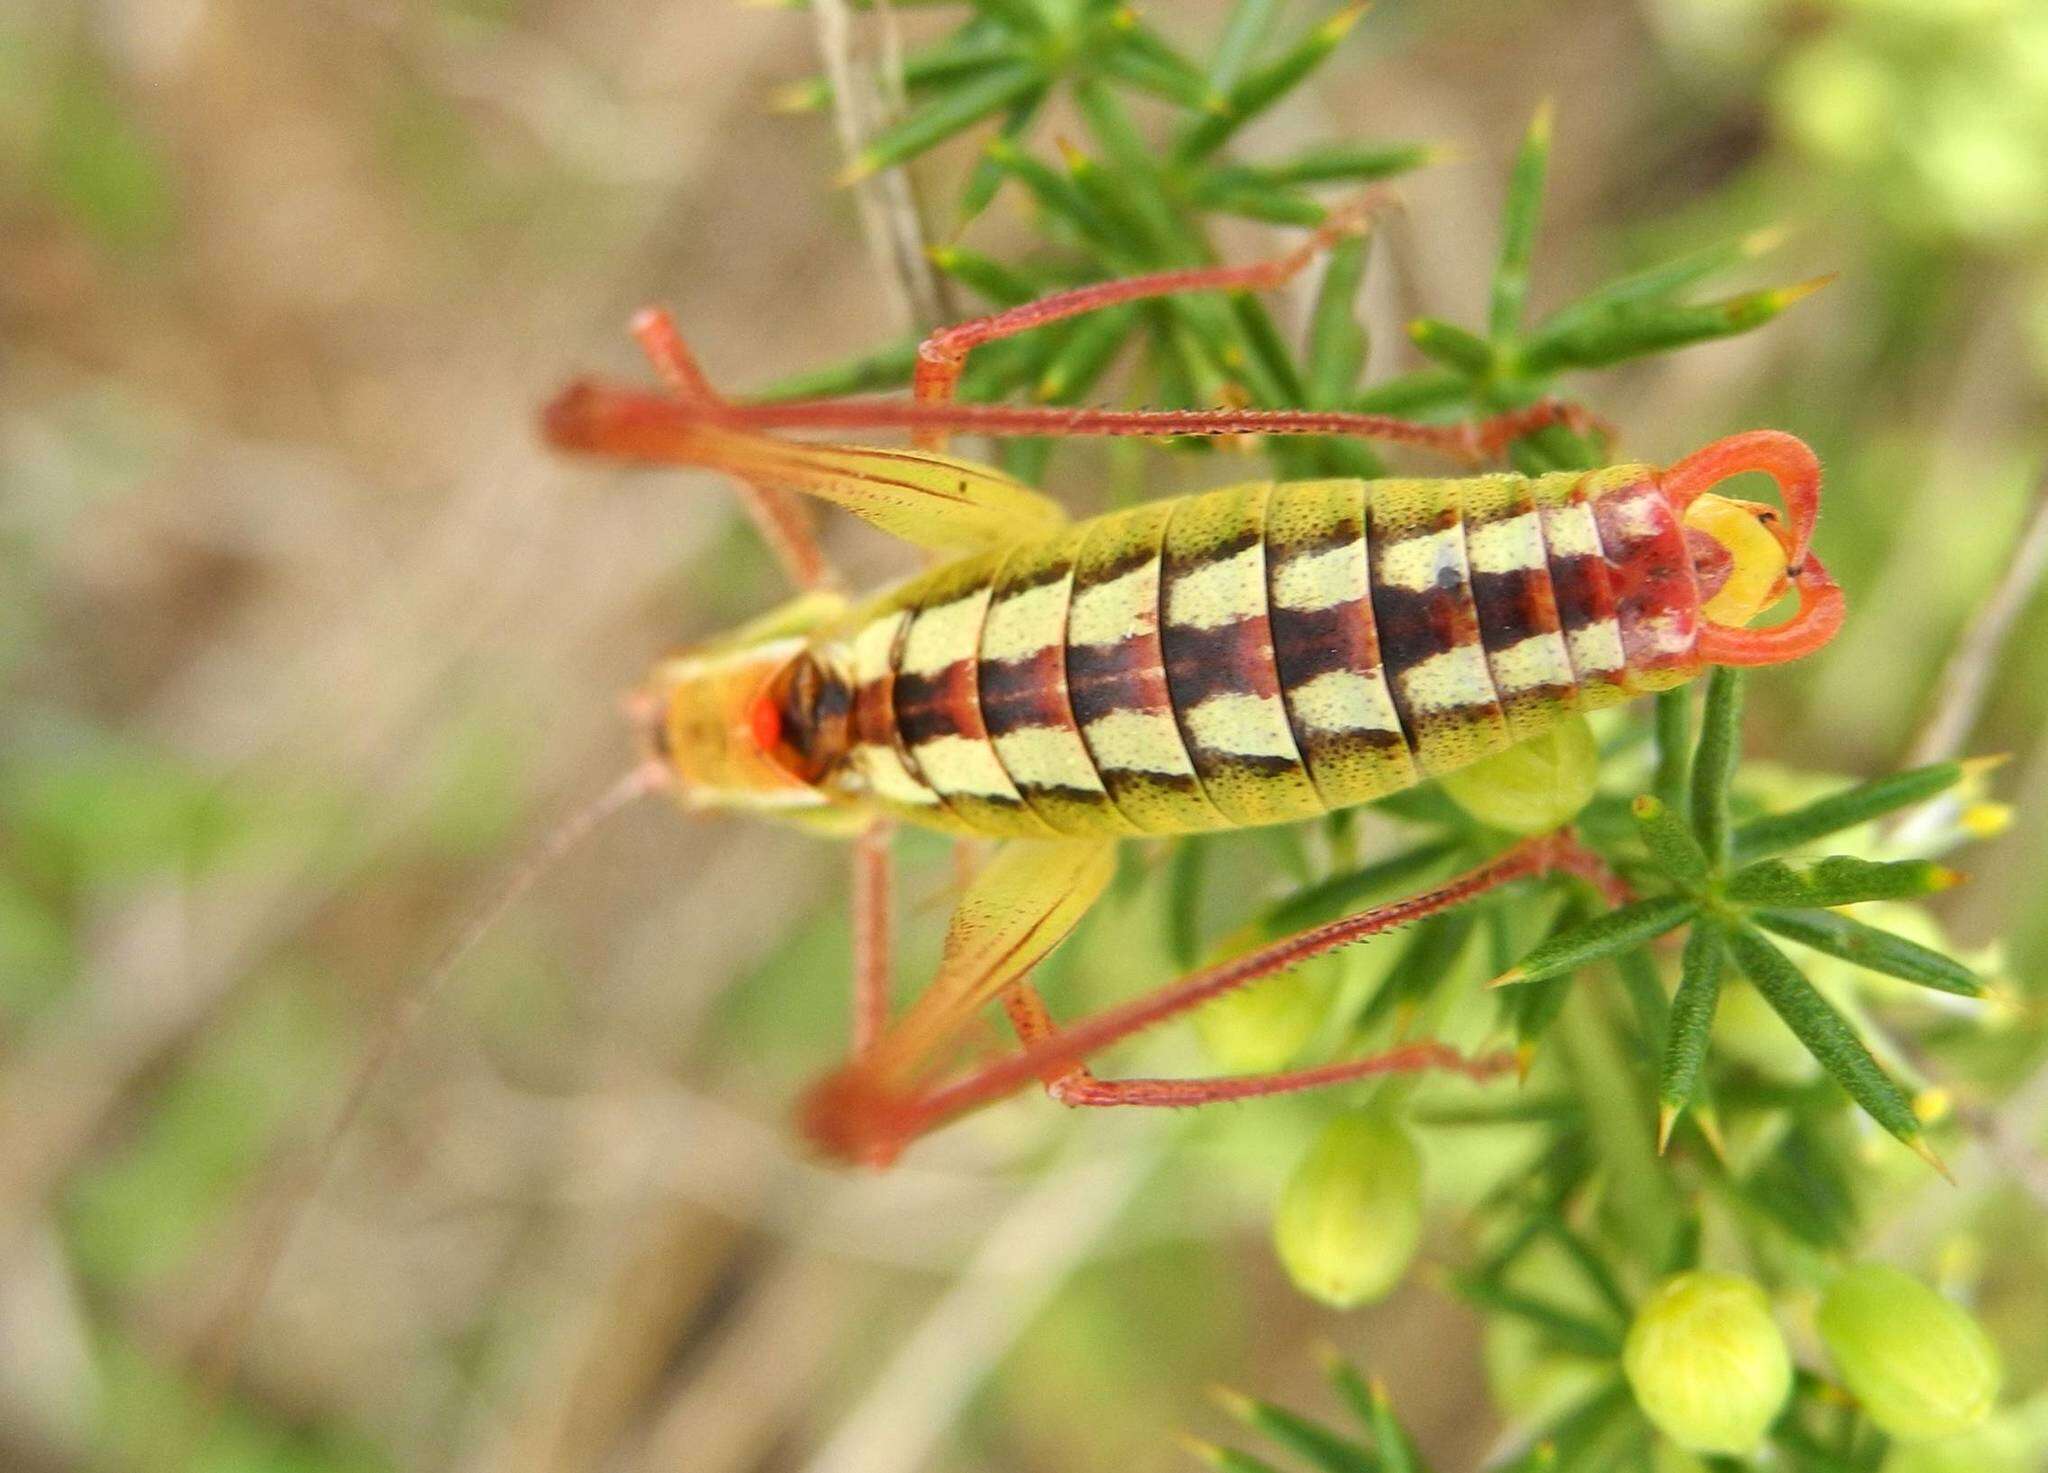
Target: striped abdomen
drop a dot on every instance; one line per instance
(1263, 652)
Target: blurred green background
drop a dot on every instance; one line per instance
(304, 639)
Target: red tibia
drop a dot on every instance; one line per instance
(872, 930)
(778, 516)
(656, 333)
(942, 356)
(1408, 1058)
(1079, 1087)
(856, 1117)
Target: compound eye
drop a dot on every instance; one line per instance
(799, 720)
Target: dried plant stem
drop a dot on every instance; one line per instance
(1967, 677)
(885, 201)
(993, 1300)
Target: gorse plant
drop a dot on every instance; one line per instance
(1765, 1168)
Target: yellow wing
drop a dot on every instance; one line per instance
(1022, 905)
(929, 500)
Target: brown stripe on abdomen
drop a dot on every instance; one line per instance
(1584, 589)
(1428, 625)
(1116, 676)
(1325, 644)
(1519, 623)
(1220, 671)
(1024, 697)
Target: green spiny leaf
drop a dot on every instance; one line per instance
(973, 47)
(1349, 1385)
(1250, 23)
(1591, 1266)
(1419, 393)
(1846, 809)
(1336, 341)
(1340, 894)
(1361, 163)
(1690, 1026)
(1086, 355)
(1307, 1439)
(1674, 750)
(1390, 1439)
(1259, 89)
(1273, 203)
(1837, 880)
(987, 175)
(953, 112)
(1868, 947)
(1002, 285)
(1452, 346)
(1645, 992)
(1142, 59)
(1634, 331)
(1056, 194)
(1713, 768)
(1434, 948)
(1827, 1037)
(1186, 868)
(1518, 228)
(1661, 281)
(1671, 843)
(1602, 936)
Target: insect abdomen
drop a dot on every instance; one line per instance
(1264, 652)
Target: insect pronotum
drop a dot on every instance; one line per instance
(1256, 654)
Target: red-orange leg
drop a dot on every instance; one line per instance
(777, 515)
(942, 356)
(1468, 440)
(1079, 1087)
(858, 1117)
(873, 932)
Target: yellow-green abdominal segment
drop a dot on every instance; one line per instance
(1260, 653)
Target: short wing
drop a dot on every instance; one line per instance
(929, 500)
(1022, 905)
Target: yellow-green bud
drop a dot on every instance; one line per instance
(1351, 1214)
(1260, 1028)
(1921, 1366)
(1707, 1363)
(1534, 786)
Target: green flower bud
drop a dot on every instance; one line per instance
(1260, 1028)
(1351, 1214)
(1921, 1366)
(1707, 1363)
(1533, 786)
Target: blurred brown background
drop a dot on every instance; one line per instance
(306, 638)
